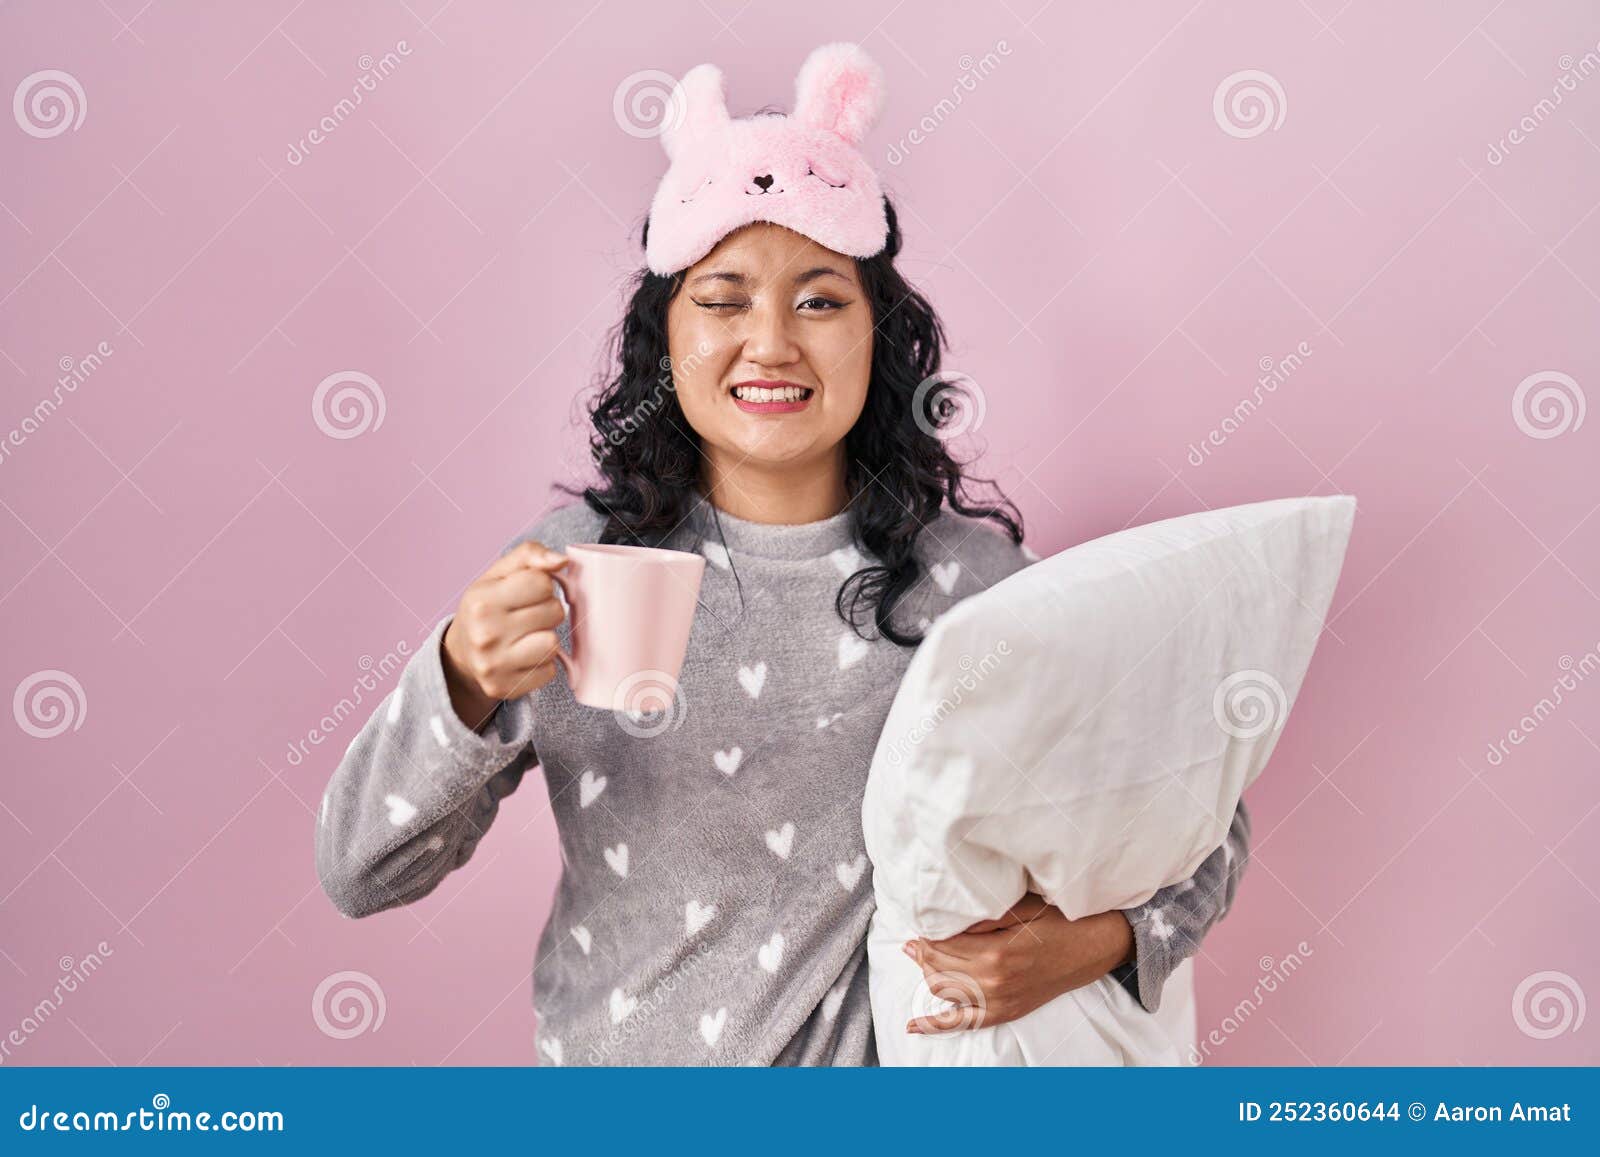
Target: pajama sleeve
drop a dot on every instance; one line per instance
(1168, 928)
(416, 790)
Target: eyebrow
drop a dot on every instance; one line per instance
(733, 278)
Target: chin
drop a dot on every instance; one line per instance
(774, 450)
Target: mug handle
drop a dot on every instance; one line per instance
(564, 657)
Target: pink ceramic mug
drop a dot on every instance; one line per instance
(629, 611)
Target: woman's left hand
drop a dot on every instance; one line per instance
(998, 970)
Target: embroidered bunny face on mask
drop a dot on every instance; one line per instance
(802, 171)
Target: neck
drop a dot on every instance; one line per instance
(789, 493)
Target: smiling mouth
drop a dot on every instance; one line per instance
(784, 393)
(775, 399)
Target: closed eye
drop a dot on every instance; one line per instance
(809, 305)
(810, 172)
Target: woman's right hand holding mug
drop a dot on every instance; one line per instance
(502, 642)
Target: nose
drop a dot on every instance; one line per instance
(768, 341)
(764, 181)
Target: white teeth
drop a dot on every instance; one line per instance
(759, 394)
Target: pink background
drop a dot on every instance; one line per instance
(185, 541)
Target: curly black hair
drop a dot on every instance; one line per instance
(899, 472)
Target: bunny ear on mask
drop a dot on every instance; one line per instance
(839, 89)
(804, 171)
(696, 108)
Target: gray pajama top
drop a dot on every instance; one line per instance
(715, 893)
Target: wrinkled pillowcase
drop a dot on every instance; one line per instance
(1084, 729)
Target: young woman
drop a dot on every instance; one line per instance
(770, 409)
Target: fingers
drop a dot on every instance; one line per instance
(961, 946)
(528, 554)
(948, 979)
(503, 636)
(535, 649)
(949, 1020)
(932, 958)
(522, 621)
(523, 587)
(516, 669)
(514, 684)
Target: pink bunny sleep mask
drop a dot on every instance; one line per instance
(802, 171)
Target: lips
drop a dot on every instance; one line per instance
(771, 396)
(769, 384)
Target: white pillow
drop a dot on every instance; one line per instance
(1084, 729)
